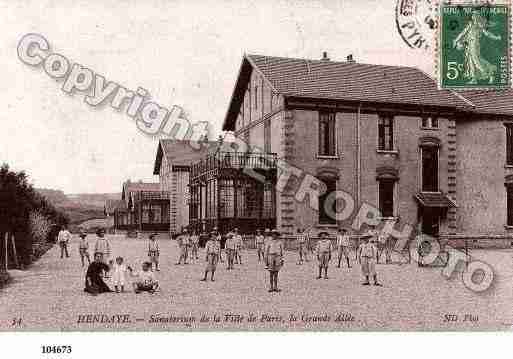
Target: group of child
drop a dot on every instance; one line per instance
(101, 268)
(367, 253)
(188, 247)
(269, 250)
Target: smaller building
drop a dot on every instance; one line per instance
(116, 209)
(143, 207)
(173, 165)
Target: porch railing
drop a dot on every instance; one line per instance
(151, 195)
(234, 160)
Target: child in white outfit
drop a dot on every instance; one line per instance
(119, 274)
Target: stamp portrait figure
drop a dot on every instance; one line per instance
(476, 67)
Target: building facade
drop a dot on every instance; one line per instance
(143, 207)
(386, 136)
(172, 164)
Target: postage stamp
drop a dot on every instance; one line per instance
(474, 46)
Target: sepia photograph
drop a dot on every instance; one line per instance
(255, 166)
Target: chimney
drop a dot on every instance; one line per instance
(325, 56)
(350, 59)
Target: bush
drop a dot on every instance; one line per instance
(26, 214)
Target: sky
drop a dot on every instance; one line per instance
(184, 53)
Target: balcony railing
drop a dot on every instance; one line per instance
(151, 195)
(234, 160)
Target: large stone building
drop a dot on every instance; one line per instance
(386, 135)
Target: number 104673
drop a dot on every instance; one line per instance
(56, 349)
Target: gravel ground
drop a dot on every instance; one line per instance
(49, 296)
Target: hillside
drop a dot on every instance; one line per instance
(79, 207)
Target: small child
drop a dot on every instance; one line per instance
(194, 245)
(83, 248)
(153, 252)
(239, 243)
(145, 279)
(119, 275)
(367, 257)
(212, 257)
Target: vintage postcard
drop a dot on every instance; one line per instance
(194, 165)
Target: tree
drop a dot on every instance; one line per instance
(22, 208)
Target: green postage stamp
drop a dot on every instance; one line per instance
(474, 46)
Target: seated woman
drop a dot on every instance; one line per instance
(145, 279)
(94, 283)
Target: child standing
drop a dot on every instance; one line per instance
(183, 243)
(153, 251)
(367, 254)
(274, 254)
(194, 245)
(259, 241)
(119, 274)
(83, 248)
(238, 245)
(230, 247)
(323, 254)
(343, 244)
(102, 246)
(302, 248)
(212, 256)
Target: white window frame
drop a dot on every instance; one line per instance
(335, 129)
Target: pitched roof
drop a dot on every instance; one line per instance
(180, 152)
(491, 102)
(347, 81)
(129, 186)
(113, 204)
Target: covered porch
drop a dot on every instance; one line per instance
(230, 189)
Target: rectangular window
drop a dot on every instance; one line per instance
(268, 205)
(156, 211)
(145, 213)
(429, 155)
(386, 197)
(256, 97)
(226, 200)
(509, 144)
(165, 213)
(509, 195)
(386, 133)
(327, 216)
(267, 136)
(429, 122)
(327, 135)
